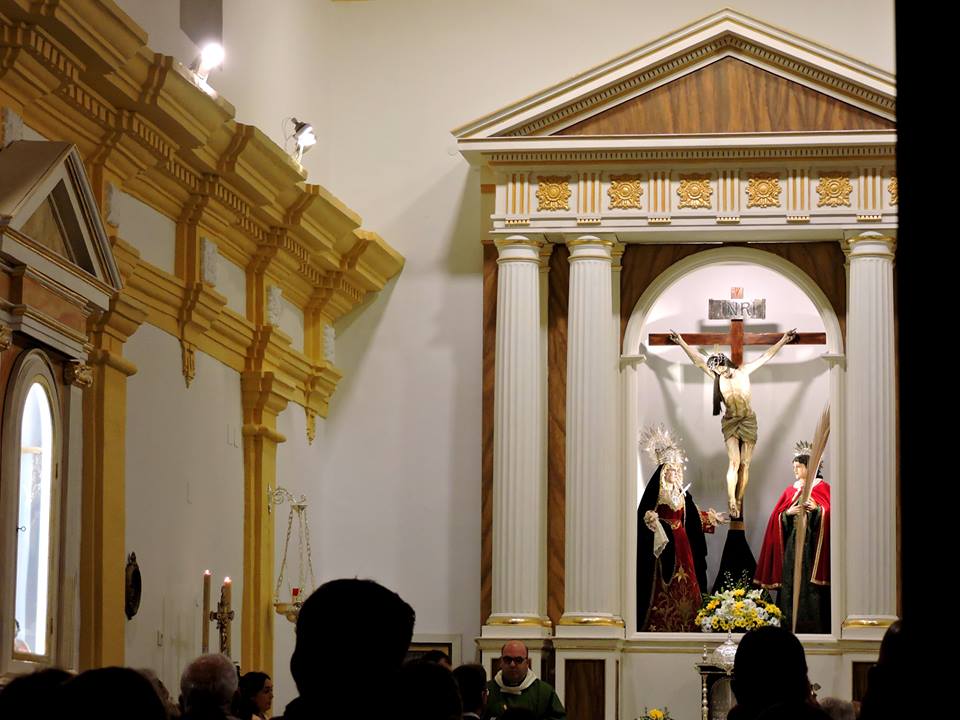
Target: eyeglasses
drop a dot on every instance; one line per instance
(508, 660)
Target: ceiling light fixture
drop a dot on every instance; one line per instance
(211, 56)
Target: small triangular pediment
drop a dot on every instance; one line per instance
(47, 202)
(727, 73)
(728, 96)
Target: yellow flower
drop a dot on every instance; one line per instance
(739, 592)
(655, 714)
(712, 605)
(771, 608)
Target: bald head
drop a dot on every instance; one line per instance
(514, 662)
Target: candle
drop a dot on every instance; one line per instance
(295, 594)
(227, 593)
(205, 616)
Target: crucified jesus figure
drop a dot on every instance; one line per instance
(731, 384)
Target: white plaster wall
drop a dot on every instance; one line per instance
(291, 322)
(300, 469)
(232, 284)
(789, 392)
(184, 499)
(149, 231)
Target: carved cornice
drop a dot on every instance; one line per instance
(143, 124)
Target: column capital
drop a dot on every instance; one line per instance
(519, 248)
(591, 247)
(869, 244)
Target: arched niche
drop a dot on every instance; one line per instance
(661, 385)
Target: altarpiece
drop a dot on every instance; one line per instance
(729, 148)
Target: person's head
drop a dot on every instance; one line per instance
(32, 695)
(770, 668)
(256, 691)
(472, 681)
(439, 657)
(892, 647)
(720, 364)
(672, 473)
(168, 704)
(427, 691)
(111, 693)
(208, 682)
(331, 654)
(514, 662)
(801, 464)
(838, 709)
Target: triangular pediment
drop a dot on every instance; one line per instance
(728, 96)
(47, 207)
(727, 73)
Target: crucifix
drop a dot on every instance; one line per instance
(732, 379)
(223, 615)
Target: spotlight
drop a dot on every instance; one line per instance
(304, 137)
(211, 56)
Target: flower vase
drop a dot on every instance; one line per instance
(725, 653)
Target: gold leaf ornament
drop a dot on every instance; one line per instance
(625, 191)
(695, 191)
(553, 192)
(834, 190)
(892, 187)
(763, 191)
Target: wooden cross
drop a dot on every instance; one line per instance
(736, 339)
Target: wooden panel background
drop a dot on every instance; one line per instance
(728, 96)
(486, 427)
(585, 689)
(559, 283)
(823, 261)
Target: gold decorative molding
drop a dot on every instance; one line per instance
(834, 189)
(625, 191)
(695, 192)
(763, 191)
(6, 337)
(590, 621)
(553, 192)
(519, 621)
(892, 188)
(188, 360)
(78, 374)
(868, 623)
(311, 425)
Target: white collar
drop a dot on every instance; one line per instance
(529, 680)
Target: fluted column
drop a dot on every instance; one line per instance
(870, 523)
(592, 519)
(519, 487)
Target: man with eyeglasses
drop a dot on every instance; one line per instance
(516, 685)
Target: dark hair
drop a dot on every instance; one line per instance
(770, 668)
(32, 695)
(436, 656)
(329, 650)
(805, 461)
(249, 686)
(111, 693)
(427, 691)
(472, 681)
(718, 360)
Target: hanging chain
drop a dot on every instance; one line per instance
(298, 505)
(283, 562)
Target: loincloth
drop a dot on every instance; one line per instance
(743, 427)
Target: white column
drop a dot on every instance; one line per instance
(592, 567)
(518, 602)
(870, 552)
